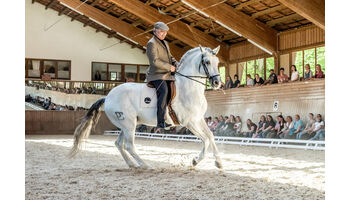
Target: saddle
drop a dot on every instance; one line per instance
(172, 113)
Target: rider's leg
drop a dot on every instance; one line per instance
(162, 93)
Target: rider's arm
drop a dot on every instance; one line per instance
(154, 59)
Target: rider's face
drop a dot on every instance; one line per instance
(160, 34)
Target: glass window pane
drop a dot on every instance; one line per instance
(251, 69)
(34, 68)
(130, 73)
(297, 60)
(99, 71)
(242, 66)
(115, 72)
(321, 57)
(309, 58)
(270, 64)
(63, 69)
(143, 71)
(222, 74)
(50, 68)
(260, 67)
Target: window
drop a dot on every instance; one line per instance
(115, 72)
(297, 60)
(56, 69)
(143, 71)
(222, 74)
(320, 54)
(131, 72)
(243, 65)
(259, 64)
(270, 64)
(99, 71)
(309, 58)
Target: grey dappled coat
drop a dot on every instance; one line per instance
(160, 60)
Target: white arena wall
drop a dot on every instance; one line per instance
(68, 40)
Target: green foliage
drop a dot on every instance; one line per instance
(270, 64)
(321, 57)
(244, 75)
(299, 62)
(309, 58)
(222, 70)
(260, 67)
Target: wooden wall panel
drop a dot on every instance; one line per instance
(60, 122)
(300, 38)
(245, 51)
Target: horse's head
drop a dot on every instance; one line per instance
(209, 64)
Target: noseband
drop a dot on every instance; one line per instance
(204, 65)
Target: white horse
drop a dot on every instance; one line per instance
(122, 107)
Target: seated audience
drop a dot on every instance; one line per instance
(228, 127)
(295, 73)
(250, 81)
(272, 78)
(298, 127)
(261, 126)
(237, 127)
(289, 125)
(251, 129)
(282, 78)
(269, 125)
(258, 80)
(210, 122)
(308, 72)
(220, 124)
(214, 125)
(308, 128)
(277, 130)
(229, 83)
(236, 82)
(318, 129)
(319, 72)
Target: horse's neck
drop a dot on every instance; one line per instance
(186, 86)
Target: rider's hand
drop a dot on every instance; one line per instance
(173, 68)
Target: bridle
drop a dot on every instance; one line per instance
(205, 67)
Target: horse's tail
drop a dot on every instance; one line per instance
(88, 122)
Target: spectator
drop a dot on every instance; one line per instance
(308, 72)
(261, 126)
(258, 80)
(272, 78)
(97, 76)
(236, 82)
(295, 73)
(210, 122)
(287, 127)
(298, 128)
(319, 72)
(228, 127)
(269, 125)
(251, 129)
(277, 130)
(237, 127)
(229, 83)
(308, 128)
(282, 78)
(318, 129)
(250, 81)
(220, 124)
(221, 128)
(214, 125)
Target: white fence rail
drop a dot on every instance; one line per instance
(34, 106)
(267, 142)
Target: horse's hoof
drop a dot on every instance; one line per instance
(218, 164)
(194, 162)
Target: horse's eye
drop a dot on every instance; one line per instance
(207, 62)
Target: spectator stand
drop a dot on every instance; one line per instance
(242, 141)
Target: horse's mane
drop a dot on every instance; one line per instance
(189, 52)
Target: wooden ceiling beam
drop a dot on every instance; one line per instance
(118, 25)
(172, 7)
(76, 16)
(268, 11)
(247, 3)
(110, 8)
(87, 23)
(94, 3)
(312, 10)
(149, 2)
(180, 30)
(62, 11)
(257, 32)
(50, 4)
(282, 19)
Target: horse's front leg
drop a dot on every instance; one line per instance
(210, 136)
(196, 129)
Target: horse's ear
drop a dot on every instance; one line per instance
(216, 50)
(201, 48)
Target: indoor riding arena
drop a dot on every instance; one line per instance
(267, 117)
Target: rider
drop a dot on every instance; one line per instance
(161, 64)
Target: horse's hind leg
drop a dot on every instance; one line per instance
(196, 129)
(129, 138)
(119, 143)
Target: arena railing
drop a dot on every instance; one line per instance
(33, 106)
(267, 142)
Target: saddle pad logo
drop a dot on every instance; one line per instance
(147, 100)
